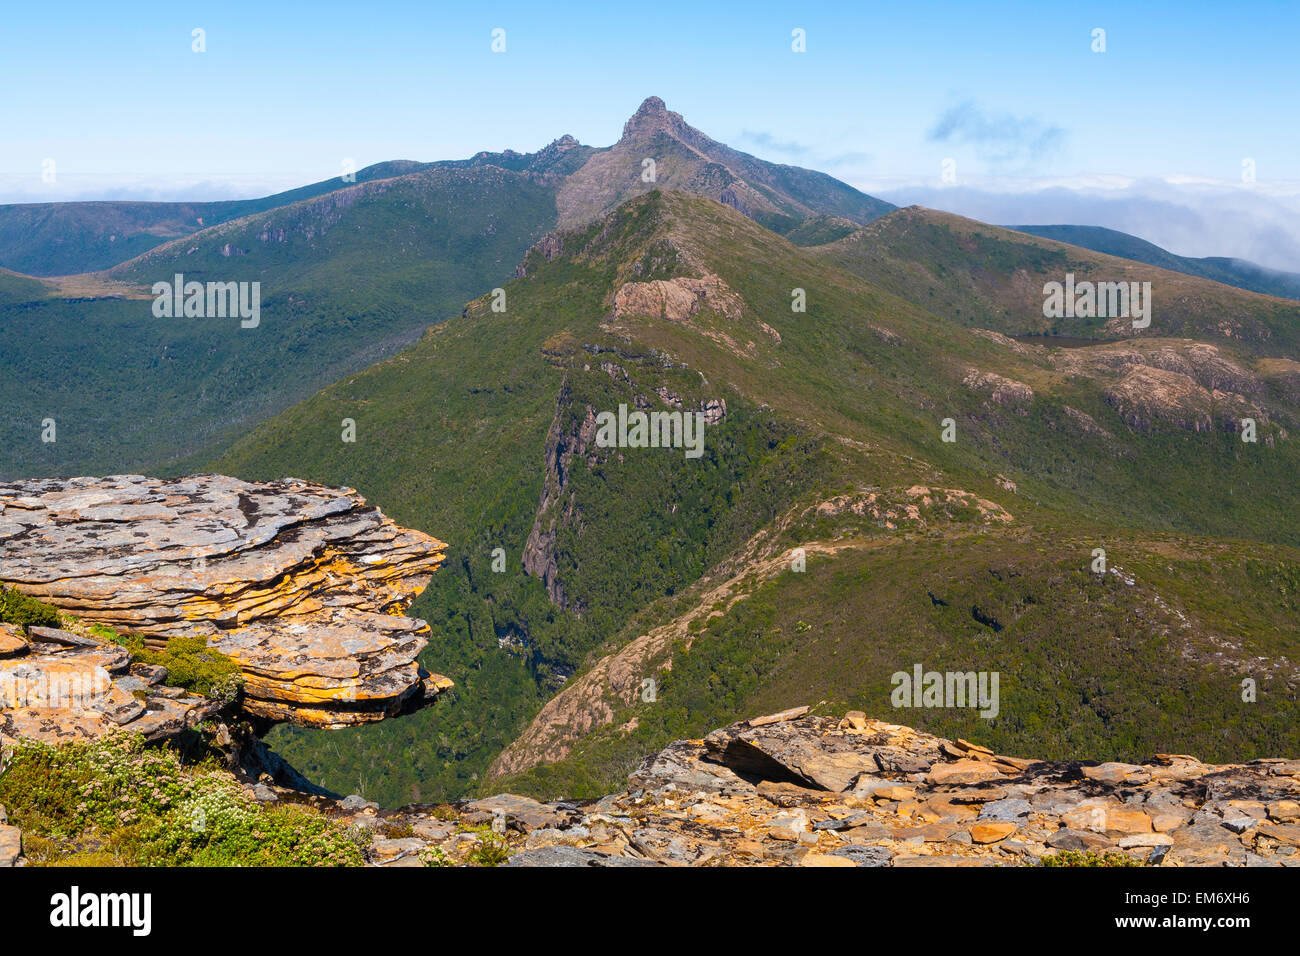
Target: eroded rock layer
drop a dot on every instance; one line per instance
(302, 585)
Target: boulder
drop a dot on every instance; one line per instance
(814, 751)
(991, 832)
(1081, 840)
(1110, 773)
(762, 792)
(12, 642)
(523, 813)
(569, 856)
(962, 771)
(54, 635)
(73, 692)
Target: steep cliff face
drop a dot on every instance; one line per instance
(301, 585)
(562, 446)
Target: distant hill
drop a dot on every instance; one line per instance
(347, 278)
(990, 277)
(1238, 272)
(51, 239)
(15, 288)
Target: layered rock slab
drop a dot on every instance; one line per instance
(302, 585)
(55, 692)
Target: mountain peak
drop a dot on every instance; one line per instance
(652, 105)
(652, 116)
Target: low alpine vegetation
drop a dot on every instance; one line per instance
(190, 663)
(116, 802)
(1090, 858)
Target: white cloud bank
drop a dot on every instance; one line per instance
(87, 188)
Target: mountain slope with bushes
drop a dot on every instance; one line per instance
(824, 431)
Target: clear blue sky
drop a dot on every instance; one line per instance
(284, 93)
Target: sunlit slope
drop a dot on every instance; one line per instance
(990, 277)
(51, 239)
(1237, 272)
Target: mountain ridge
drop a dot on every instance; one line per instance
(116, 231)
(1237, 272)
(112, 231)
(890, 407)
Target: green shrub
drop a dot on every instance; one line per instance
(193, 665)
(18, 608)
(132, 642)
(435, 856)
(490, 850)
(1090, 858)
(91, 858)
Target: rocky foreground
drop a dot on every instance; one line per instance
(301, 585)
(792, 789)
(797, 790)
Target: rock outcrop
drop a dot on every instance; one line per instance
(999, 389)
(61, 686)
(677, 300)
(11, 843)
(1189, 385)
(791, 789)
(303, 586)
(1147, 395)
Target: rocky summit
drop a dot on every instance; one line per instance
(792, 789)
(301, 585)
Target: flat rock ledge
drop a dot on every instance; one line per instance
(62, 687)
(302, 585)
(791, 789)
